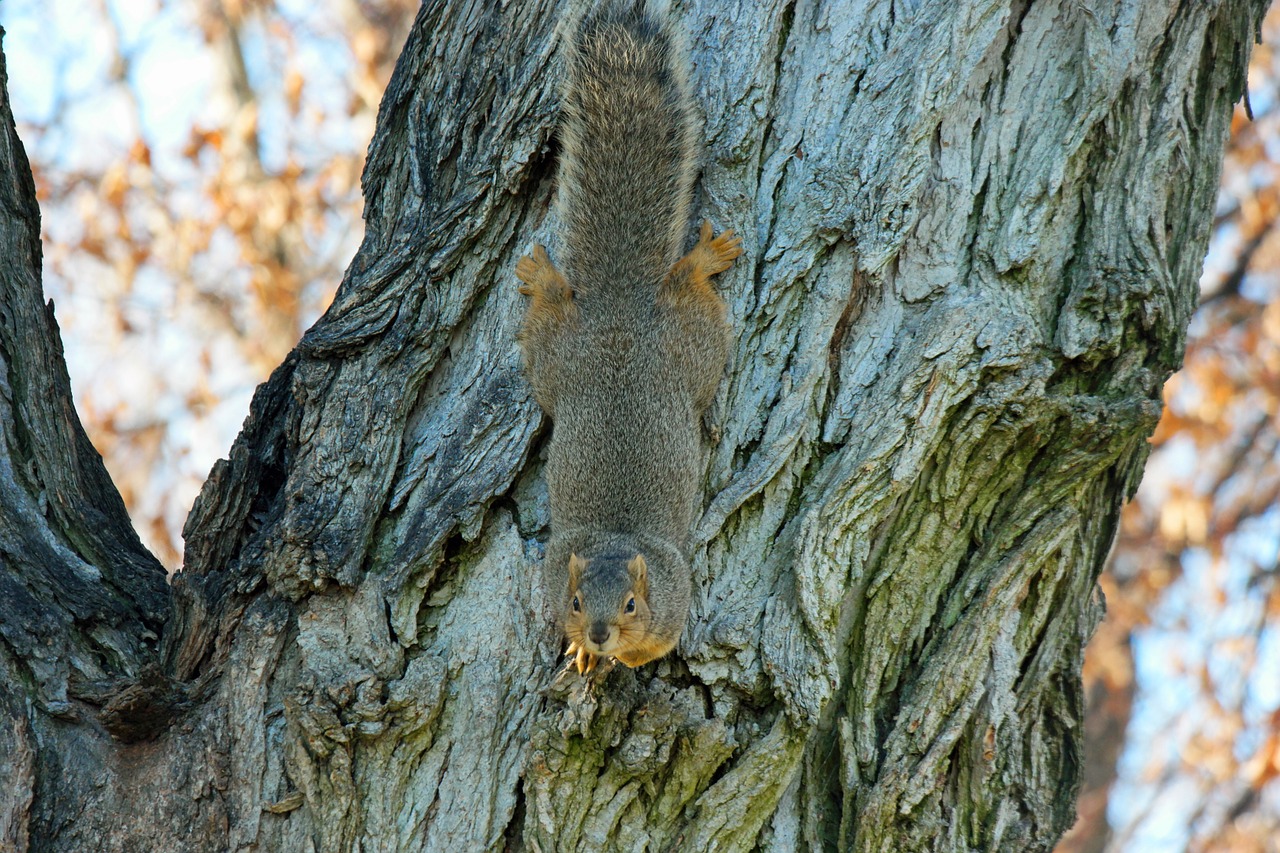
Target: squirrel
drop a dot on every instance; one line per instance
(625, 344)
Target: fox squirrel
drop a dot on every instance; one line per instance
(626, 346)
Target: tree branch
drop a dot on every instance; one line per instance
(82, 602)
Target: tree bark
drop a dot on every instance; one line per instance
(973, 235)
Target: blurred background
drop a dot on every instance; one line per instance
(198, 164)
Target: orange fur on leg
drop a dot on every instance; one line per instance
(689, 281)
(552, 297)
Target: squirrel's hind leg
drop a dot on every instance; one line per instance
(687, 287)
(700, 344)
(711, 255)
(552, 296)
(551, 312)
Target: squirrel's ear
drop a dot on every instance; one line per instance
(639, 572)
(576, 566)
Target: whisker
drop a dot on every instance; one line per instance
(629, 639)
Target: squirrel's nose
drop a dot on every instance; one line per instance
(599, 633)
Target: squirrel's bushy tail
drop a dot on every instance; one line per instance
(629, 142)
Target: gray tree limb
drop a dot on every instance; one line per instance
(973, 238)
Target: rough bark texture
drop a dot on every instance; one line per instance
(973, 236)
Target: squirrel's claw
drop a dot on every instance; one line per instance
(528, 267)
(534, 267)
(584, 661)
(540, 279)
(715, 254)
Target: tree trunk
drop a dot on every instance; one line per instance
(973, 238)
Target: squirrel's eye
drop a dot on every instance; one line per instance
(576, 606)
(631, 605)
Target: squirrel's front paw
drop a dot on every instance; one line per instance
(715, 255)
(584, 660)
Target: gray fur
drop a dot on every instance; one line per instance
(629, 155)
(627, 376)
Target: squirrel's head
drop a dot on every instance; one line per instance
(608, 608)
